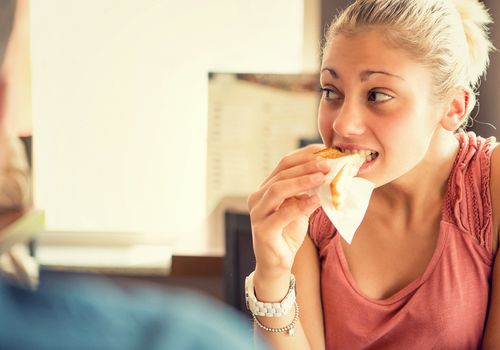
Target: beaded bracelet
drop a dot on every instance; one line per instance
(290, 329)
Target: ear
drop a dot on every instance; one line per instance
(457, 109)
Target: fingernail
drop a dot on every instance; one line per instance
(323, 165)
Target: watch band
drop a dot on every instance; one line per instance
(291, 329)
(259, 308)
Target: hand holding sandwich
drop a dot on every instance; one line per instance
(280, 210)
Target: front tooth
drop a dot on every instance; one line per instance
(368, 155)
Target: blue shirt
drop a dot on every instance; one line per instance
(91, 313)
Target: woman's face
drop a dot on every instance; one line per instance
(376, 98)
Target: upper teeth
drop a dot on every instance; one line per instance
(368, 155)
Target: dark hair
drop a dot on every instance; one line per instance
(7, 13)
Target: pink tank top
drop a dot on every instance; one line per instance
(446, 307)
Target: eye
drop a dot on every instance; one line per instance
(330, 94)
(377, 97)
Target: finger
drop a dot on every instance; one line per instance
(300, 210)
(295, 158)
(302, 196)
(281, 190)
(312, 166)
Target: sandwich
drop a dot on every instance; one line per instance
(330, 153)
(340, 182)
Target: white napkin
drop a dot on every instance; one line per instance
(348, 217)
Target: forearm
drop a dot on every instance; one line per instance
(273, 290)
(284, 341)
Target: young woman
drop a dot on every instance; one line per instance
(398, 79)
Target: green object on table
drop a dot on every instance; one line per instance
(21, 229)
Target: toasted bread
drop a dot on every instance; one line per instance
(330, 153)
(338, 187)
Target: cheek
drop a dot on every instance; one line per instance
(406, 140)
(325, 125)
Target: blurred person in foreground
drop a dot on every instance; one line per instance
(90, 313)
(16, 263)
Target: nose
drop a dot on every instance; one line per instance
(349, 121)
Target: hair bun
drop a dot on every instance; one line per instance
(475, 19)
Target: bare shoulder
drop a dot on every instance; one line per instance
(306, 269)
(495, 193)
(491, 335)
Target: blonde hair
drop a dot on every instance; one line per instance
(450, 37)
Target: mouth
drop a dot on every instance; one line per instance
(368, 155)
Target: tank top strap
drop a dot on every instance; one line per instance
(468, 202)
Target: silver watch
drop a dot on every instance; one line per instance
(259, 308)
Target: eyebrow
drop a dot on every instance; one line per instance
(363, 76)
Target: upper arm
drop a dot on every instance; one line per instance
(495, 194)
(492, 336)
(307, 273)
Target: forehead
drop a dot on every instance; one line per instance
(368, 50)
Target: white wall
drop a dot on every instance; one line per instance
(120, 102)
(16, 70)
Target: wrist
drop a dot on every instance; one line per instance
(270, 275)
(271, 288)
(259, 307)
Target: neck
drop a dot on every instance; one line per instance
(421, 191)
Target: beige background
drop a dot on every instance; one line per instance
(17, 71)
